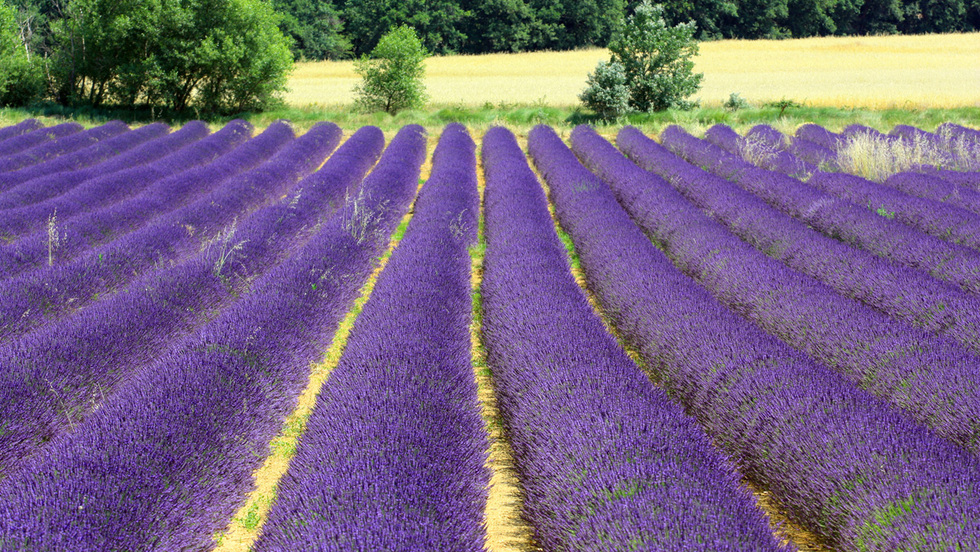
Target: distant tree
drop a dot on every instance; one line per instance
(392, 74)
(655, 61)
(20, 79)
(708, 15)
(809, 18)
(215, 55)
(567, 24)
(315, 27)
(497, 25)
(436, 22)
(934, 16)
(757, 19)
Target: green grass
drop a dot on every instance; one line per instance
(521, 118)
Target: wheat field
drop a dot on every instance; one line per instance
(871, 72)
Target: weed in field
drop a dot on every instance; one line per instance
(226, 250)
(877, 157)
(55, 238)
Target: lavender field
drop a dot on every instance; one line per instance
(753, 341)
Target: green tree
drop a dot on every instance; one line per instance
(656, 59)
(215, 55)
(438, 23)
(497, 26)
(315, 27)
(20, 80)
(392, 74)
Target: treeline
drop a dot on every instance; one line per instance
(334, 29)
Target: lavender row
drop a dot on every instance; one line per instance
(89, 229)
(918, 210)
(936, 188)
(164, 463)
(394, 454)
(837, 218)
(80, 357)
(98, 192)
(53, 185)
(606, 461)
(904, 294)
(930, 377)
(944, 221)
(92, 155)
(842, 462)
(39, 296)
(28, 140)
(63, 146)
(795, 158)
(18, 129)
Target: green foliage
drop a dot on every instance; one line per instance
(656, 64)
(783, 105)
(392, 75)
(436, 22)
(315, 28)
(20, 79)
(607, 93)
(214, 55)
(735, 102)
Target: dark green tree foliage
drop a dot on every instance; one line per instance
(20, 78)
(392, 74)
(707, 15)
(215, 55)
(315, 27)
(497, 26)
(438, 23)
(657, 59)
(757, 19)
(810, 18)
(567, 24)
(652, 60)
(934, 16)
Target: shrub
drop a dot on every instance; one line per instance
(735, 102)
(392, 74)
(220, 55)
(607, 93)
(655, 60)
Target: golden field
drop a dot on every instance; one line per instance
(872, 72)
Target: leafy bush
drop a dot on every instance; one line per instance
(607, 93)
(20, 80)
(219, 55)
(655, 60)
(735, 102)
(392, 74)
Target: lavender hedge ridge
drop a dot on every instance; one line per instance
(394, 454)
(166, 460)
(928, 376)
(98, 192)
(94, 154)
(847, 465)
(52, 150)
(56, 184)
(28, 140)
(606, 461)
(835, 217)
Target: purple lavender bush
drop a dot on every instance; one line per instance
(99, 192)
(606, 461)
(394, 454)
(845, 464)
(832, 216)
(167, 458)
(52, 150)
(52, 185)
(23, 127)
(926, 375)
(27, 140)
(97, 152)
